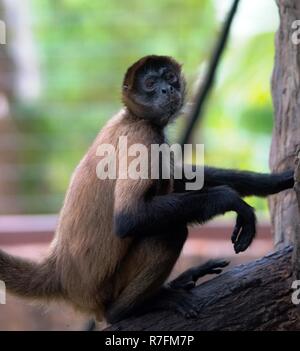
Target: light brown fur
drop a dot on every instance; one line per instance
(88, 265)
(85, 254)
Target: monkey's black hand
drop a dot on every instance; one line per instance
(244, 231)
(188, 279)
(210, 267)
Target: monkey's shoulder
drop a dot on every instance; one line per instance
(136, 131)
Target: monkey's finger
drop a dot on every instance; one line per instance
(211, 264)
(198, 308)
(207, 268)
(189, 285)
(192, 314)
(220, 263)
(235, 234)
(216, 271)
(187, 309)
(237, 229)
(241, 246)
(245, 239)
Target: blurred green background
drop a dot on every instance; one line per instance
(84, 48)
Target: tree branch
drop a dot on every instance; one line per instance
(255, 296)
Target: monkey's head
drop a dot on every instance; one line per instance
(154, 89)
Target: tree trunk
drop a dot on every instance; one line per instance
(296, 253)
(258, 295)
(286, 133)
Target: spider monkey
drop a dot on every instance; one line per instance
(117, 240)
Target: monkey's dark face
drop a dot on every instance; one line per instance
(154, 88)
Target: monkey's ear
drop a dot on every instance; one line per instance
(125, 86)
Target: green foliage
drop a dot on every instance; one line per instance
(85, 47)
(239, 115)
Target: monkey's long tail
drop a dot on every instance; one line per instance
(29, 279)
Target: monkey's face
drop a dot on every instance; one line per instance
(153, 89)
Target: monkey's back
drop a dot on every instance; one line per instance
(87, 250)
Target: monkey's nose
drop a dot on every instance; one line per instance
(168, 89)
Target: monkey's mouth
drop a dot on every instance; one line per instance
(173, 106)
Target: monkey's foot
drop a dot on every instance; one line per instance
(182, 302)
(187, 280)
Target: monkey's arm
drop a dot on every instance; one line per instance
(158, 214)
(244, 182)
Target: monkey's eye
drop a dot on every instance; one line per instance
(170, 77)
(150, 83)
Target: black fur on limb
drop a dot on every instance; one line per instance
(253, 296)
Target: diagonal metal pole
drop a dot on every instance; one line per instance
(208, 81)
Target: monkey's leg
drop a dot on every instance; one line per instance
(177, 296)
(133, 303)
(181, 301)
(90, 325)
(187, 280)
(147, 269)
(244, 182)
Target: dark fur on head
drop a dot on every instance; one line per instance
(154, 89)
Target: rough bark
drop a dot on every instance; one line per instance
(255, 296)
(286, 133)
(296, 252)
